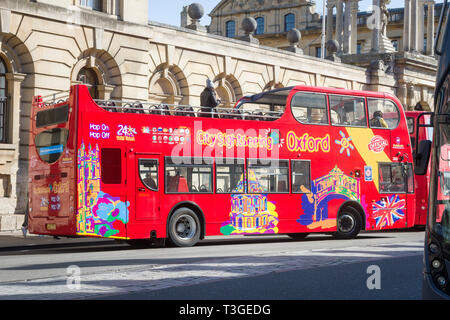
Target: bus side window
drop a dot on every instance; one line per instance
(383, 114)
(310, 108)
(410, 123)
(230, 177)
(268, 177)
(392, 179)
(348, 111)
(301, 176)
(111, 165)
(183, 175)
(148, 171)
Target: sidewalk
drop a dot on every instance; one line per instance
(12, 241)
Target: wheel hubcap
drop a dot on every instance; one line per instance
(346, 223)
(185, 227)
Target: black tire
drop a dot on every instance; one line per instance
(298, 236)
(349, 223)
(184, 228)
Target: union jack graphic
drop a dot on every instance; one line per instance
(386, 213)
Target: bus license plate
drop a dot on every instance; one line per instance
(51, 226)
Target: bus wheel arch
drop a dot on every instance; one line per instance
(194, 208)
(350, 220)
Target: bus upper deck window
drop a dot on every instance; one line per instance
(383, 114)
(310, 108)
(348, 111)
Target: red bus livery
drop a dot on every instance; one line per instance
(290, 161)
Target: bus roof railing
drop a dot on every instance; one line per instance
(139, 107)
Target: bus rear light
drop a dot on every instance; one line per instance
(423, 207)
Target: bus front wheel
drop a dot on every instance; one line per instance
(348, 223)
(184, 228)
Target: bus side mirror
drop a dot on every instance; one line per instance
(422, 157)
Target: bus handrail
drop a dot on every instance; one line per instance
(55, 98)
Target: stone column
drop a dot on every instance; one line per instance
(420, 27)
(410, 96)
(376, 30)
(104, 91)
(402, 93)
(347, 36)
(414, 25)
(339, 23)
(430, 28)
(354, 26)
(14, 84)
(330, 26)
(407, 26)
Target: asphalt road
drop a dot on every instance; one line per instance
(241, 268)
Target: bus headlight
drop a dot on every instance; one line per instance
(434, 248)
(442, 281)
(436, 264)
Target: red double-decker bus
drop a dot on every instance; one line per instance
(420, 128)
(290, 161)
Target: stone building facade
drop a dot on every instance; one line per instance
(350, 24)
(46, 46)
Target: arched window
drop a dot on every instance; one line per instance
(230, 29)
(289, 22)
(3, 103)
(260, 25)
(88, 77)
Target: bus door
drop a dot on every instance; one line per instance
(148, 184)
(396, 183)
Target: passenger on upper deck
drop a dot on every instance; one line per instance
(208, 100)
(377, 121)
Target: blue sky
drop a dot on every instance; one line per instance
(168, 11)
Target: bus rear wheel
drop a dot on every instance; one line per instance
(349, 223)
(184, 228)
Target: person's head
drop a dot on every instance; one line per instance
(209, 84)
(378, 114)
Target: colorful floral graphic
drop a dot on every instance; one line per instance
(97, 211)
(345, 144)
(387, 211)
